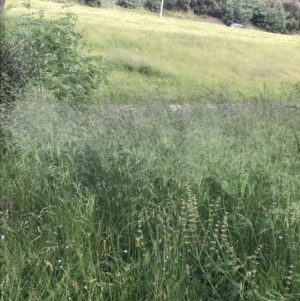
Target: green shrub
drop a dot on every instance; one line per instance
(51, 55)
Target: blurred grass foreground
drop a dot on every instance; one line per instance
(150, 203)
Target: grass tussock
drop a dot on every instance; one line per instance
(135, 63)
(150, 203)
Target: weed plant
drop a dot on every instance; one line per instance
(150, 203)
(49, 55)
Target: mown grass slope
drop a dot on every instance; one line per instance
(180, 60)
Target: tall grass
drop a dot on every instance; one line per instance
(181, 57)
(150, 203)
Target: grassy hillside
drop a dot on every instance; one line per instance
(180, 60)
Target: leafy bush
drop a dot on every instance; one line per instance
(50, 55)
(259, 13)
(292, 9)
(292, 25)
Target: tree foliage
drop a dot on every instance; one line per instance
(292, 8)
(242, 11)
(259, 13)
(182, 5)
(276, 16)
(129, 3)
(208, 7)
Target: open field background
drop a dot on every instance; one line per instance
(174, 60)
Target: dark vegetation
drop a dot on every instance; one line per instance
(49, 55)
(273, 15)
(281, 16)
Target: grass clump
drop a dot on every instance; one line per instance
(135, 64)
(149, 203)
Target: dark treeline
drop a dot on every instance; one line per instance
(274, 15)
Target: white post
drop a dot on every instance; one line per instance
(161, 8)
